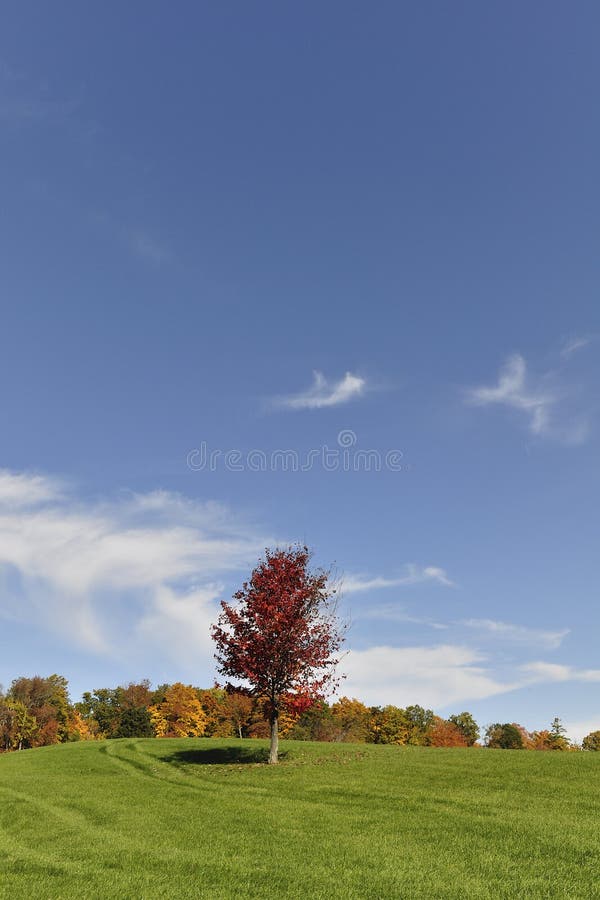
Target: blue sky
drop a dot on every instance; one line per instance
(262, 227)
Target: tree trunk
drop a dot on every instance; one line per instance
(274, 737)
(240, 731)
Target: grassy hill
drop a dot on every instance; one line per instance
(201, 818)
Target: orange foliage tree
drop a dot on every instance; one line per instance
(445, 734)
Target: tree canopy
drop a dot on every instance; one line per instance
(281, 637)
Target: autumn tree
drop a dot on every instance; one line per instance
(17, 725)
(136, 695)
(388, 725)
(443, 733)
(80, 729)
(180, 714)
(554, 738)
(215, 706)
(239, 710)
(47, 700)
(352, 720)
(282, 635)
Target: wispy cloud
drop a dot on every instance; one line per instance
(114, 575)
(540, 400)
(574, 343)
(323, 393)
(511, 390)
(431, 676)
(518, 633)
(446, 674)
(354, 584)
(543, 671)
(393, 612)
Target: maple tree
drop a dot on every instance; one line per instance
(282, 636)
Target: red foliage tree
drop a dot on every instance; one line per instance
(282, 636)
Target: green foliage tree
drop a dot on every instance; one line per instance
(135, 721)
(388, 725)
(104, 706)
(558, 735)
(17, 726)
(315, 724)
(419, 722)
(504, 737)
(467, 725)
(591, 741)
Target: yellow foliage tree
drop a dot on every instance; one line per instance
(80, 730)
(351, 718)
(180, 714)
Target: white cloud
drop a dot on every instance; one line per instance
(518, 633)
(181, 621)
(354, 584)
(577, 730)
(442, 676)
(512, 390)
(102, 574)
(543, 671)
(23, 490)
(541, 403)
(430, 676)
(324, 393)
(573, 344)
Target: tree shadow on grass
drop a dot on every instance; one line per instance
(221, 756)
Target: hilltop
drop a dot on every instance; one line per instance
(205, 818)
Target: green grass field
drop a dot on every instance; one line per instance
(202, 818)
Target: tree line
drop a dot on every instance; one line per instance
(37, 711)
